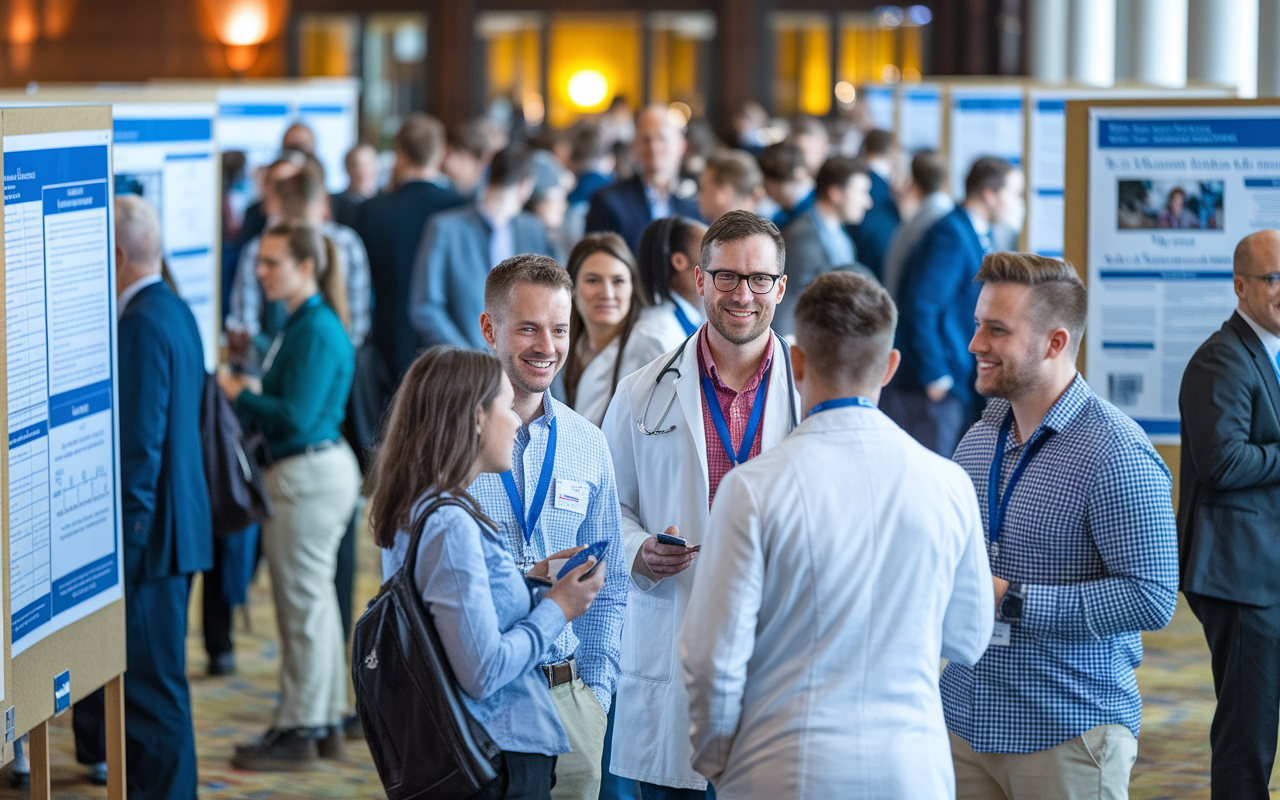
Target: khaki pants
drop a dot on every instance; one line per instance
(584, 720)
(1092, 766)
(312, 497)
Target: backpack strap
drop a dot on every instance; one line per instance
(410, 565)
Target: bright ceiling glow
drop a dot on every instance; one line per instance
(246, 23)
(845, 92)
(588, 88)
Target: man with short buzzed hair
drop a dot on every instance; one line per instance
(1229, 504)
(560, 493)
(732, 181)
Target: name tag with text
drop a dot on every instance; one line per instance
(572, 496)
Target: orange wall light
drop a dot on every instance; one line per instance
(243, 25)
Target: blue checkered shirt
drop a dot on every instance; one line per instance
(593, 639)
(1090, 533)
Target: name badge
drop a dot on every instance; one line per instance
(1000, 635)
(572, 496)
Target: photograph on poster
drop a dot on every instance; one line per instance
(1163, 203)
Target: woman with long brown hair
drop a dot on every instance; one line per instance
(452, 420)
(604, 344)
(299, 405)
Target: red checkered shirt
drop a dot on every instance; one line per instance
(736, 407)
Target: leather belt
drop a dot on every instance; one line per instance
(557, 674)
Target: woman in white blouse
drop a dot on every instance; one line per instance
(670, 249)
(604, 343)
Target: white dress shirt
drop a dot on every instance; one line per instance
(595, 385)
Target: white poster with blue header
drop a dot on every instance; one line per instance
(920, 118)
(1171, 192)
(984, 121)
(64, 495)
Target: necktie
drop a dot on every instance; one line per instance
(984, 239)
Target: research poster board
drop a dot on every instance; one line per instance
(164, 150)
(66, 561)
(1171, 189)
(1047, 155)
(880, 105)
(920, 117)
(252, 117)
(982, 121)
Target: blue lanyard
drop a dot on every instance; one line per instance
(842, 402)
(998, 504)
(684, 320)
(753, 422)
(540, 495)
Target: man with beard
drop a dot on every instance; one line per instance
(1080, 533)
(559, 494)
(675, 429)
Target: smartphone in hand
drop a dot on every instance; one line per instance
(597, 550)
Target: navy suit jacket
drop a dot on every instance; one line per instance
(168, 528)
(936, 302)
(391, 226)
(624, 209)
(872, 235)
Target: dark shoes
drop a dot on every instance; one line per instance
(222, 664)
(292, 750)
(278, 750)
(352, 728)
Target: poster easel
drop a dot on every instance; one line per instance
(89, 652)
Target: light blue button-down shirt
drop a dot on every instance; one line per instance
(492, 634)
(834, 240)
(582, 455)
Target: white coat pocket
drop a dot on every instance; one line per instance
(648, 637)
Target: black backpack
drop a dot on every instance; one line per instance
(233, 464)
(423, 740)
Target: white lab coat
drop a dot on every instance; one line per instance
(660, 321)
(662, 481)
(595, 385)
(837, 569)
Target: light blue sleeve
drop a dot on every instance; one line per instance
(453, 577)
(428, 290)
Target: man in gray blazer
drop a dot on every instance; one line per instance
(1229, 555)
(816, 239)
(459, 247)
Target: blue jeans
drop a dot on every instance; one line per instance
(613, 787)
(652, 791)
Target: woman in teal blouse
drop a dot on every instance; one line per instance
(313, 485)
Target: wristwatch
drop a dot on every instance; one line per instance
(1010, 609)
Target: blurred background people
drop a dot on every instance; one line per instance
(605, 343)
(925, 201)
(670, 252)
(362, 183)
(465, 159)
(653, 193)
(459, 247)
(731, 181)
(872, 235)
(817, 240)
(811, 136)
(313, 485)
(787, 181)
(549, 201)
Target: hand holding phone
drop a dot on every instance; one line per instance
(596, 551)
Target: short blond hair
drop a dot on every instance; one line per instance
(1061, 300)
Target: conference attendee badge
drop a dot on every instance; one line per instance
(1000, 635)
(572, 496)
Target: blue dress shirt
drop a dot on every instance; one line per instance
(1090, 534)
(492, 634)
(582, 455)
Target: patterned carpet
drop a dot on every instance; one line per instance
(1173, 753)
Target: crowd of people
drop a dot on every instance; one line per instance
(824, 422)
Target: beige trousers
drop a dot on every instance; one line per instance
(312, 497)
(1092, 766)
(584, 720)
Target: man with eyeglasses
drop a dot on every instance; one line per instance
(675, 428)
(1229, 555)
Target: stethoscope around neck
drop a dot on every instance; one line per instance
(670, 367)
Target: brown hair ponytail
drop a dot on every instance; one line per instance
(306, 242)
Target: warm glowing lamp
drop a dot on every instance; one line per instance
(588, 88)
(243, 25)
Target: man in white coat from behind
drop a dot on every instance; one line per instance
(838, 567)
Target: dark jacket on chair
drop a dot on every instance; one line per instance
(624, 209)
(1229, 498)
(167, 527)
(391, 226)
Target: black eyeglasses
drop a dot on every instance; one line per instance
(726, 280)
(1271, 279)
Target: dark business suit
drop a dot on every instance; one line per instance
(873, 234)
(807, 260)
(1229, 553)
(936, 302)
(624, 209)
(168, 536)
